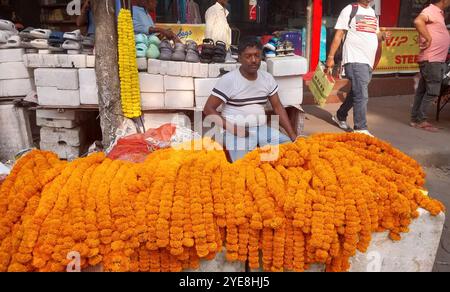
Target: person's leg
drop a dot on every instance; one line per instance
(271, 136)
(433, 81)
(342, 113)
(238, 147)
(360, 86)
(416, 115)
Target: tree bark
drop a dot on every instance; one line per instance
(107, 68)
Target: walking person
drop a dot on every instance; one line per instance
(358, 27)
(434, 46)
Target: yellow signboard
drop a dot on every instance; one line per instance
(401, 52)
(195, 32)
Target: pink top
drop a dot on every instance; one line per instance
(440, 42)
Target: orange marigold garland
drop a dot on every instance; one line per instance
(319, 202)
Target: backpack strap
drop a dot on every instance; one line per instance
(355, 7)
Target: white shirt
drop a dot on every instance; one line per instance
(217, 27)
(362, 41)
(245, 99)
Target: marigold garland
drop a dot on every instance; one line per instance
(319, 202)
(128, 72)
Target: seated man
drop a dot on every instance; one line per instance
(143, 22)
(244, 93)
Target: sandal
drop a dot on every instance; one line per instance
(141, 50)
(166, 50)
(220, 53)
(425, 126)
(208, 49)
(180, 52)
(289, 48)
(152, 52)
(192, 55)
(141, 39)
(153, 39)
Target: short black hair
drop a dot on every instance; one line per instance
(249, 42)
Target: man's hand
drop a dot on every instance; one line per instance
(387, 35)
(171, 36)
(330, 64)
(426, 44)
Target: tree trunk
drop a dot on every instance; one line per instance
(107, 68)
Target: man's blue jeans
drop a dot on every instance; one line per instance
(260, 136)
(360, 75)
(428, 91)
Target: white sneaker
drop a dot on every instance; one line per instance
(41, 33)
(73, 35)
(14, 42)
(7, 25)
(364, 132)
(342, 124)
(4, 36)
(71, 45)
(41, 44)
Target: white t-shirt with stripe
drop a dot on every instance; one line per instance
(245, 99)
(361, 43)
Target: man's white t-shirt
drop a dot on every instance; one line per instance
(245, 99)
(362, 41)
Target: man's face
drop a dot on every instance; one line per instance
(364, 2)
(224, 3)
(250, 60)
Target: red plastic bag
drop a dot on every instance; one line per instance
(136, 147)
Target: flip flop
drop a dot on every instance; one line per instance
(427, 128)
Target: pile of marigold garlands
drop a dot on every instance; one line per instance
(319, 202)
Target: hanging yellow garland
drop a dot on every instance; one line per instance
(128, 71)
